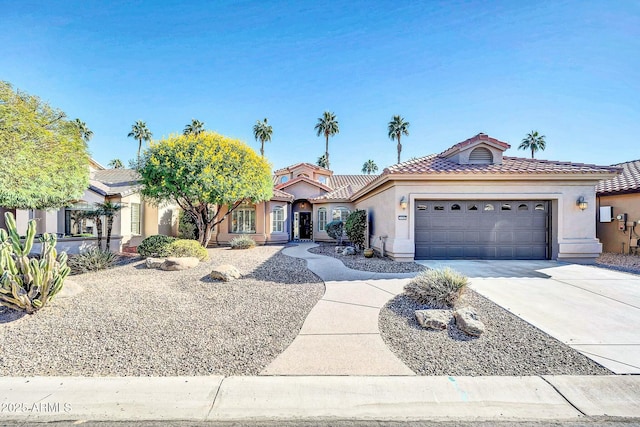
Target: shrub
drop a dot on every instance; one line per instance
(335, 230)
(356, 226)
(92, 260)
(242, 242)
(185, 247)
(27, 284)
(156, 246)
(187, 228)
(437, 288)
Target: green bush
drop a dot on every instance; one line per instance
(437, 288)
(92, 260)
(335, 230)
(155, 246)
(187, 228)
(191, 248)
(356, 226)
(242, 242)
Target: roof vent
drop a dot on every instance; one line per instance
(480, 156)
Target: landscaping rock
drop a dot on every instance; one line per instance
(181, 263)
(69, 289)
(433, 319)
(467, 321)
(338, 249)
(154, 262)
(349, 250)
(225, 273)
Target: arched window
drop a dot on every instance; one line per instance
(480, 156)
(243, 219)
(455, 207)
(322, 219)
(284, 179)
(322, 179)
(277, 219)
(340, 214)
(523, 207)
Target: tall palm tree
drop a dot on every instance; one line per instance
(328, 126)
(369, 167)
(262, 131)
(398, 127)
(116, 164)
(534, 142)
(140, 132)
(196, 127)
(85, 133)
(109, 211)
(322, 162)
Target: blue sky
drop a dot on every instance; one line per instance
(568, 69)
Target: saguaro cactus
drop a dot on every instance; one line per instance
(28, 284)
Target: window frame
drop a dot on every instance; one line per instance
(322, 222)
(342, 210)
(277, 224)
(136, 207)
(239, 216)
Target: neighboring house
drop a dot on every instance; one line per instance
(136, 220)
(620, 195)
(469, 201)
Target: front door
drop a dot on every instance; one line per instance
(305, 225)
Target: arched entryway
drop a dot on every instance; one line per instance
(302, 224)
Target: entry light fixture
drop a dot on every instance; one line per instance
(582, 203)
(403, 202)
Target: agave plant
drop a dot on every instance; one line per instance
(27, 284)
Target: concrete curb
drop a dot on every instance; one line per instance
(216, 398)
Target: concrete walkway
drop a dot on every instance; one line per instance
(594, 310)
(340, 336)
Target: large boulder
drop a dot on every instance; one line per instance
(467, 321)
(349, 250)
(154, 262)
(225, 273)
(433, 319)
(338, 249)
(179, 263)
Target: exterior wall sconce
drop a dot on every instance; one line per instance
(403, 203)
(582, 204)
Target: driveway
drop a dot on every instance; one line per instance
(594, 310)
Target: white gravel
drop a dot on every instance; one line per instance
(131, 320)
(359, 262)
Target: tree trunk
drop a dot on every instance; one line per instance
(109, 227)
(262, 148)
(399, 148)
(99, 231)
(326, 150)
(532, 152)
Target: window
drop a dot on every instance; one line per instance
(438, 208)
(455, 207)
(488, 207)
(539, 207)
(422, 207)
(322, 219)
(322, 179)
(506, 207)
(472, 207)
(340, 214)
(523, 207)
(135, 218)
(284, 179)
(277, 218)
(243, 219)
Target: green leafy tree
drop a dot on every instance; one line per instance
(397, 128)
(140, 132)
(109, 210)
(116, 164)
(322, 162)
(369, 167)
(534, 142)
(85, 133)
(196, 127)
(356, 227)
(262, 132)
(328, 126)
(44, 163)
(205, 175)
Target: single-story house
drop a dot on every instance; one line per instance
(136, 220)
(618, 202)
(469, 201)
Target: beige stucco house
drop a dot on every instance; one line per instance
(618, 213)
(469, 201)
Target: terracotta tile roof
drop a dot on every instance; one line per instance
(627, 182)
(342, 193)
(355, 181)
(289, 168)
(279, 194)
(303, 179)
(481, 137)
(116, 181)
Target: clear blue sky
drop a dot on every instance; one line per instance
(569, 69)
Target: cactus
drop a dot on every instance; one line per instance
(28, 284)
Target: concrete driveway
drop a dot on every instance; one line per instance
(594, 310)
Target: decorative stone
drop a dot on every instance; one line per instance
(179, 263)
(225, 273)
(467, 321)
(349, 250)
(70, 288)
(433, 319)
(338, 249)
(154, 262)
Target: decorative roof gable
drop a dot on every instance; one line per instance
(478, 150)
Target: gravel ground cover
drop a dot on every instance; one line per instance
(622, 262)
(510, 346)
(131, 320)
(359, 262)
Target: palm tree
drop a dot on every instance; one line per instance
(369, 167)
(322, 161)
(397, 128)
(109, 211)
(116, 164)
(328, 126)
(534, 142)
(196, 127)
(262, 131)
(140, 132)
(85, 133)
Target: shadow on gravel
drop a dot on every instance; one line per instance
(8, 315)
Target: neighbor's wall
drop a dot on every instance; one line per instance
(613, 239)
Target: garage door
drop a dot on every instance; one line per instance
(481, 229)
